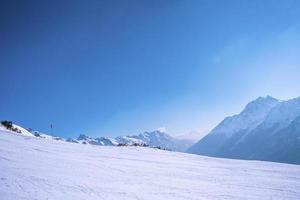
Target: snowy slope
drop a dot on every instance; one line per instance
(35, 168)
(45, 136)
(21, 130)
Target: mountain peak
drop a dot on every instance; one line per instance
(265, 127)
(284, 113)
(83, 137)
(162, 129)
(259, 103)
(252, 115)
(156, 134)
(266, 99)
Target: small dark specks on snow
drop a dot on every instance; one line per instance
(3, 158)
(4, 182)
(41, 150)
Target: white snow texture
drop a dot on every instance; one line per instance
(37, 168)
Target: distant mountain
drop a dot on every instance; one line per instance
(252, 115)
(129, 140)
(193, 136)
(153, 139)
(267, 129)
(157, 139)
(83, 139)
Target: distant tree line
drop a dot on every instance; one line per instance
(142, 145)
(134, 144)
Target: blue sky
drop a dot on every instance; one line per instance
(108, 68)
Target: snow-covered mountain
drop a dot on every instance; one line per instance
(156, 138)
(34, 168)
(83, 139)
(153, 139)
(283, 114)
(161, 139)
(252, 115)
(255, 133)
(129, 140)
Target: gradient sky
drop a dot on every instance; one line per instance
(107, 68)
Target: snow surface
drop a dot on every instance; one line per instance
(37, 168)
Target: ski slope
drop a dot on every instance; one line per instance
(36, 168)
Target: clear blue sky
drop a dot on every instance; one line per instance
(118, 67)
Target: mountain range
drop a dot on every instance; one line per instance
(266, 129)
(155, 138)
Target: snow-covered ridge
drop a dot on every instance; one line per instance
(152, 139)
(33, 168)
(16, 129)
(252, 115)
(284, 113)
(84, 139)
(267, 129)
